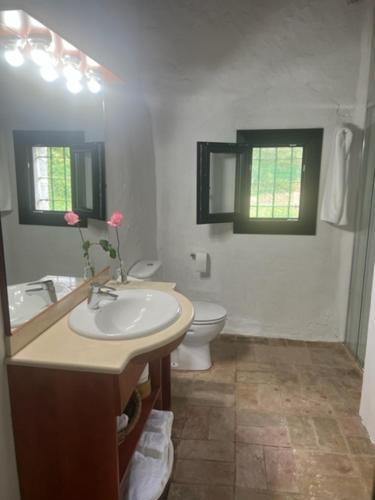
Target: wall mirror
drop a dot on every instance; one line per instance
(52, 160)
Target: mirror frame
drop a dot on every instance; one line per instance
(4, 289)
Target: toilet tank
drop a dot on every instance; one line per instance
(146, 270)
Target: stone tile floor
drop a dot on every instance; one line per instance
(272, 419)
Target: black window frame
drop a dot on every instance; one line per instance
(24, 141)
(310, 139)
(96, 151)
(204, 150)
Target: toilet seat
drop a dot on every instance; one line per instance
(208, 313)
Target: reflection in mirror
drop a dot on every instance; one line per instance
(51, 161)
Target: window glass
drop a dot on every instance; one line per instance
(275, 190)
(52, 178)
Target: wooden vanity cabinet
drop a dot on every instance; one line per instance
(65, 429)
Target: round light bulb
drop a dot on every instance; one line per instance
(14, 57)
(12, 19)
(40, 57)
(74, 86)
(72, 73)
(94, 85)
(49, 73)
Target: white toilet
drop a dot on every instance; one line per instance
(194, 351)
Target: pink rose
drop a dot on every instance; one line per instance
(71, 218)
(116, 219)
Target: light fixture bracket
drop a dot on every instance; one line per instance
(13, 42)
(74, 61)
(40, 40)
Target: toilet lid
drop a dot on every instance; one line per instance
(206, 312)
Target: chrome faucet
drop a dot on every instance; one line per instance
(98, 293)
(45, 289)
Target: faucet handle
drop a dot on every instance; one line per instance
(97, 287)
(43, 284)
(106, 287)
(96, 292)
(46, 285)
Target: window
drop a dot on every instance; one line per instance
(266, 183)
(58, 172)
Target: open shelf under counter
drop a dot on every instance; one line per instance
(128, 446)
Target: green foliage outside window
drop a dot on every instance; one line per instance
(59, 179)
(52, 178)
(276, 182)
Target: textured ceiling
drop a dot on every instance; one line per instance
(243, 46)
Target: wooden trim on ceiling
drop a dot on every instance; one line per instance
(31, 27)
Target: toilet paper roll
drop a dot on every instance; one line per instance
(201, 259)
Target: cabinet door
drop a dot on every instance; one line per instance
(219, 166)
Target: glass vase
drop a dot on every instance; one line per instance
(88, 272)
(121, 275)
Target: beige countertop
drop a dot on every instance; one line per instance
(60, 347)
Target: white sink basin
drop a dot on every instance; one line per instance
(136, 313)
(23, 306)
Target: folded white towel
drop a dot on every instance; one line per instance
(153, 444)
(160, 421)
(144, 376)
(122, 422)
(148, 476)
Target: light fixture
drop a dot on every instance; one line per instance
(39, 49)
(71, 69)
(36, 24)
(40, 56)
(12, 19)
(91, 62)
(74, 86)
(93, 82)
(68, 46)
(12, 52)
(14, 57)
(49, 73)
(72, 73)
(54, 57)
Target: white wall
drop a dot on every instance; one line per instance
(210, 69)
(131, 177)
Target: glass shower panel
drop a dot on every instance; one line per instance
(364, 241)
(364, 249)
(370, 253)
